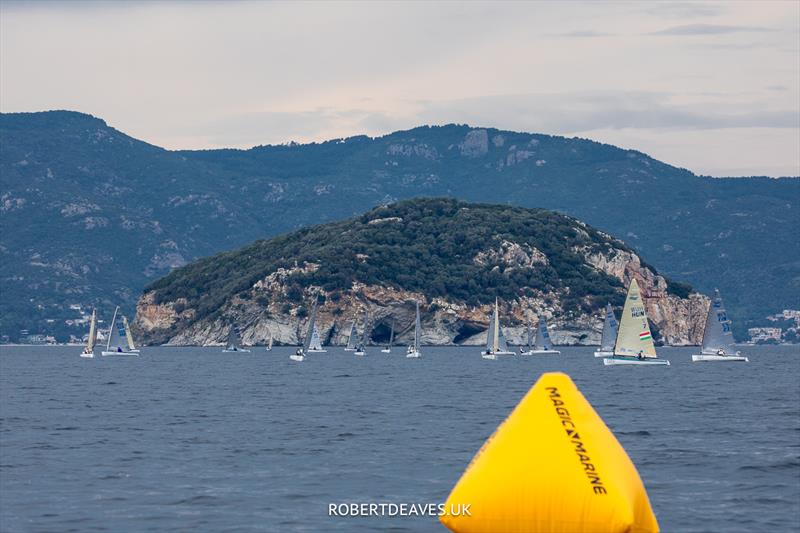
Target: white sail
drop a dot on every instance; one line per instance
(316, 344)
(490, 334)
(116, 335)
(312, 327)
(634, 335)
(269, 346)
(496, 332)
(351, 340)
(530, 337)
(233, 338)
(610, 326)
(542, 341)
(92, 333)
(417, 331)
(128, 337)
(391, 336)
(717, 335)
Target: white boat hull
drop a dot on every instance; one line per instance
(413, 355)
(608, 361)
(714, 357)
(87, 355)
(489, 356)
(386, 351)
(360, 354)
(136, 354)
(295, 357)
(236, 351)
(317, 351)
(349, 349)
(603, 354)
(541, 352)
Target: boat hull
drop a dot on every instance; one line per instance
(413, 355)
(489, 356)
(236, 351)
(87, 355)
(295, 357)
(719, 358)
(599, 353)
(135, 354)
(541, 352)
(360, 354)
(349, 349)
(609, 361)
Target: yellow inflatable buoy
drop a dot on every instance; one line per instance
(552, 466)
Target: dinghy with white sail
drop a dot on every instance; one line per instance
(717, 336)
(234, 342)
(388, 348)
(269, 344)
(88, 350)
(316, 345)
(634, 344)
(495, 340)
(128, 336)
(117, 343)
(610, 327)
(542, 344)
(361, 349)
(300, 354)
(352, 339)
(412, 352)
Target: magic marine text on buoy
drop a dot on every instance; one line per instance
(552, 466)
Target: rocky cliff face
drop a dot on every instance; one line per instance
(267, 310)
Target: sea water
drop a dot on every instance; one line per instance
(194, 439)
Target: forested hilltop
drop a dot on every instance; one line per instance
(455, 258)
(90, 216)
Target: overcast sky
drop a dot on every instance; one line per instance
(713, 87)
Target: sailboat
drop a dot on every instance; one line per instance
(300, 354)
(412, 351)
(88, 350)
(388, 348)
(233, 345)
(610, 326)
(316, 345)
(495, 340)
(361, 346)
(128, 338)
(269, 344)
(634, 344)
(541, 345)
(717, 336)
(352, 339)
(117, 338)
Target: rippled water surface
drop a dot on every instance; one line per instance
(184, 438)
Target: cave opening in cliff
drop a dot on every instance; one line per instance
(380, 333)
(467, 330)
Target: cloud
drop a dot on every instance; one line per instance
(583, 33)
(708, 29)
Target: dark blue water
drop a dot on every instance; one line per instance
(194, 439)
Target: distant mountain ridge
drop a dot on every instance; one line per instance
(91, 215)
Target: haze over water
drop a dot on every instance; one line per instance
(193, 439)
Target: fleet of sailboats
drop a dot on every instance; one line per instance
(634, 344)
(717, 335)
(119, 340)
(628, 341)
(412, 352)
(609, 338)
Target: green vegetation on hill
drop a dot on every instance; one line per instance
(425, 245)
